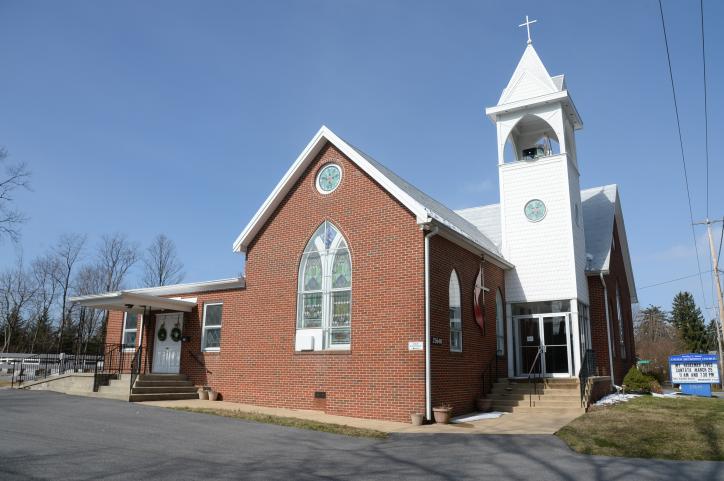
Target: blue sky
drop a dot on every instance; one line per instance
(180, 117)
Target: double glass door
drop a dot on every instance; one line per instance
(549, 334)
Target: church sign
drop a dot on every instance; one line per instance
(695, 372)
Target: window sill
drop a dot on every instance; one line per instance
(210, 351)
(332, 352)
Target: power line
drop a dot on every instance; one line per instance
(721, 238)
(706, 109)
(672, 280)
(683, 158)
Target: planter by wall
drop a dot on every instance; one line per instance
(203, 393)
(442, 414)
(417, 419)
(213, 395)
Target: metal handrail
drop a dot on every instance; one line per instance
(534, 389)
(136, 366)
(198, 361)
(111, 362)
(588, 367)
(490, 376)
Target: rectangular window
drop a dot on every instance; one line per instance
(130, 331)
(211, 333)
(456, 329)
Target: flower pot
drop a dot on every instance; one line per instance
(442, 415)
(484, 404)
(213, 395)
(203, 393)
(417, 419)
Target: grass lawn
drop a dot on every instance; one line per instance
(4, 383)
(291, 422)
(649, 427)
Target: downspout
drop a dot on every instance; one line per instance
(608, 328)
(428, 382)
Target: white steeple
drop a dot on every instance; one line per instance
(541, 217)
(530, 79)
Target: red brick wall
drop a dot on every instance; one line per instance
(457, 376)
(195, 368)
(378, 377)
(599, 332)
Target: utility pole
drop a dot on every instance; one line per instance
(717, 283)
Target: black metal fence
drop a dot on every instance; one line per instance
(39, 366)
(109, 362)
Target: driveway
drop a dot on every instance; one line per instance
(45, 435)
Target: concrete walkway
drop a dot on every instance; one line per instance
(509, 423)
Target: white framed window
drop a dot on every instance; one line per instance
(456, 322)
(130, 331)
(499, 323)
(324, 300)
(211, 332)
(619, 316)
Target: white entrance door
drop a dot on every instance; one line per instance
(166, 350)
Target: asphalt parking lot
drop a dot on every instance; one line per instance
(45, 435)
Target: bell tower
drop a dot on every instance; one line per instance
(540, 200)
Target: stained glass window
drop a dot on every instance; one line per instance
(325, 288)
(456, 323)
(313, 273)
(499, 323)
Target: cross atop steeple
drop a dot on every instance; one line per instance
(527, 25)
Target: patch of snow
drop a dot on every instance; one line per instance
(615, 399)
(476, 417)
(668, 394)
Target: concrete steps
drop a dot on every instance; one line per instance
(162, 387)
(552, 396)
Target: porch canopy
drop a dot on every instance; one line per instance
(134, 302)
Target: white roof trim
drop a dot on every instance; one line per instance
(295, 172)
(131, 301)
(192, 287)
(563, 97)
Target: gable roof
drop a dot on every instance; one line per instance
(487, 219)
(601, 211)
(422, 206)
(601, 206)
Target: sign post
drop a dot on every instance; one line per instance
(695, 373)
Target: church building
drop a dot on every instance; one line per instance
(363, 296)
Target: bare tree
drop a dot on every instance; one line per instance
(115, 256)
(68, 251)
(45, 272)
(89, 280)
(16, 293)
(656, 339)
(14, 176)
(161, 264)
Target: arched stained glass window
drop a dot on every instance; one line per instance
(499, 323)
(325, 288)
(456, 323)
(619, 318)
